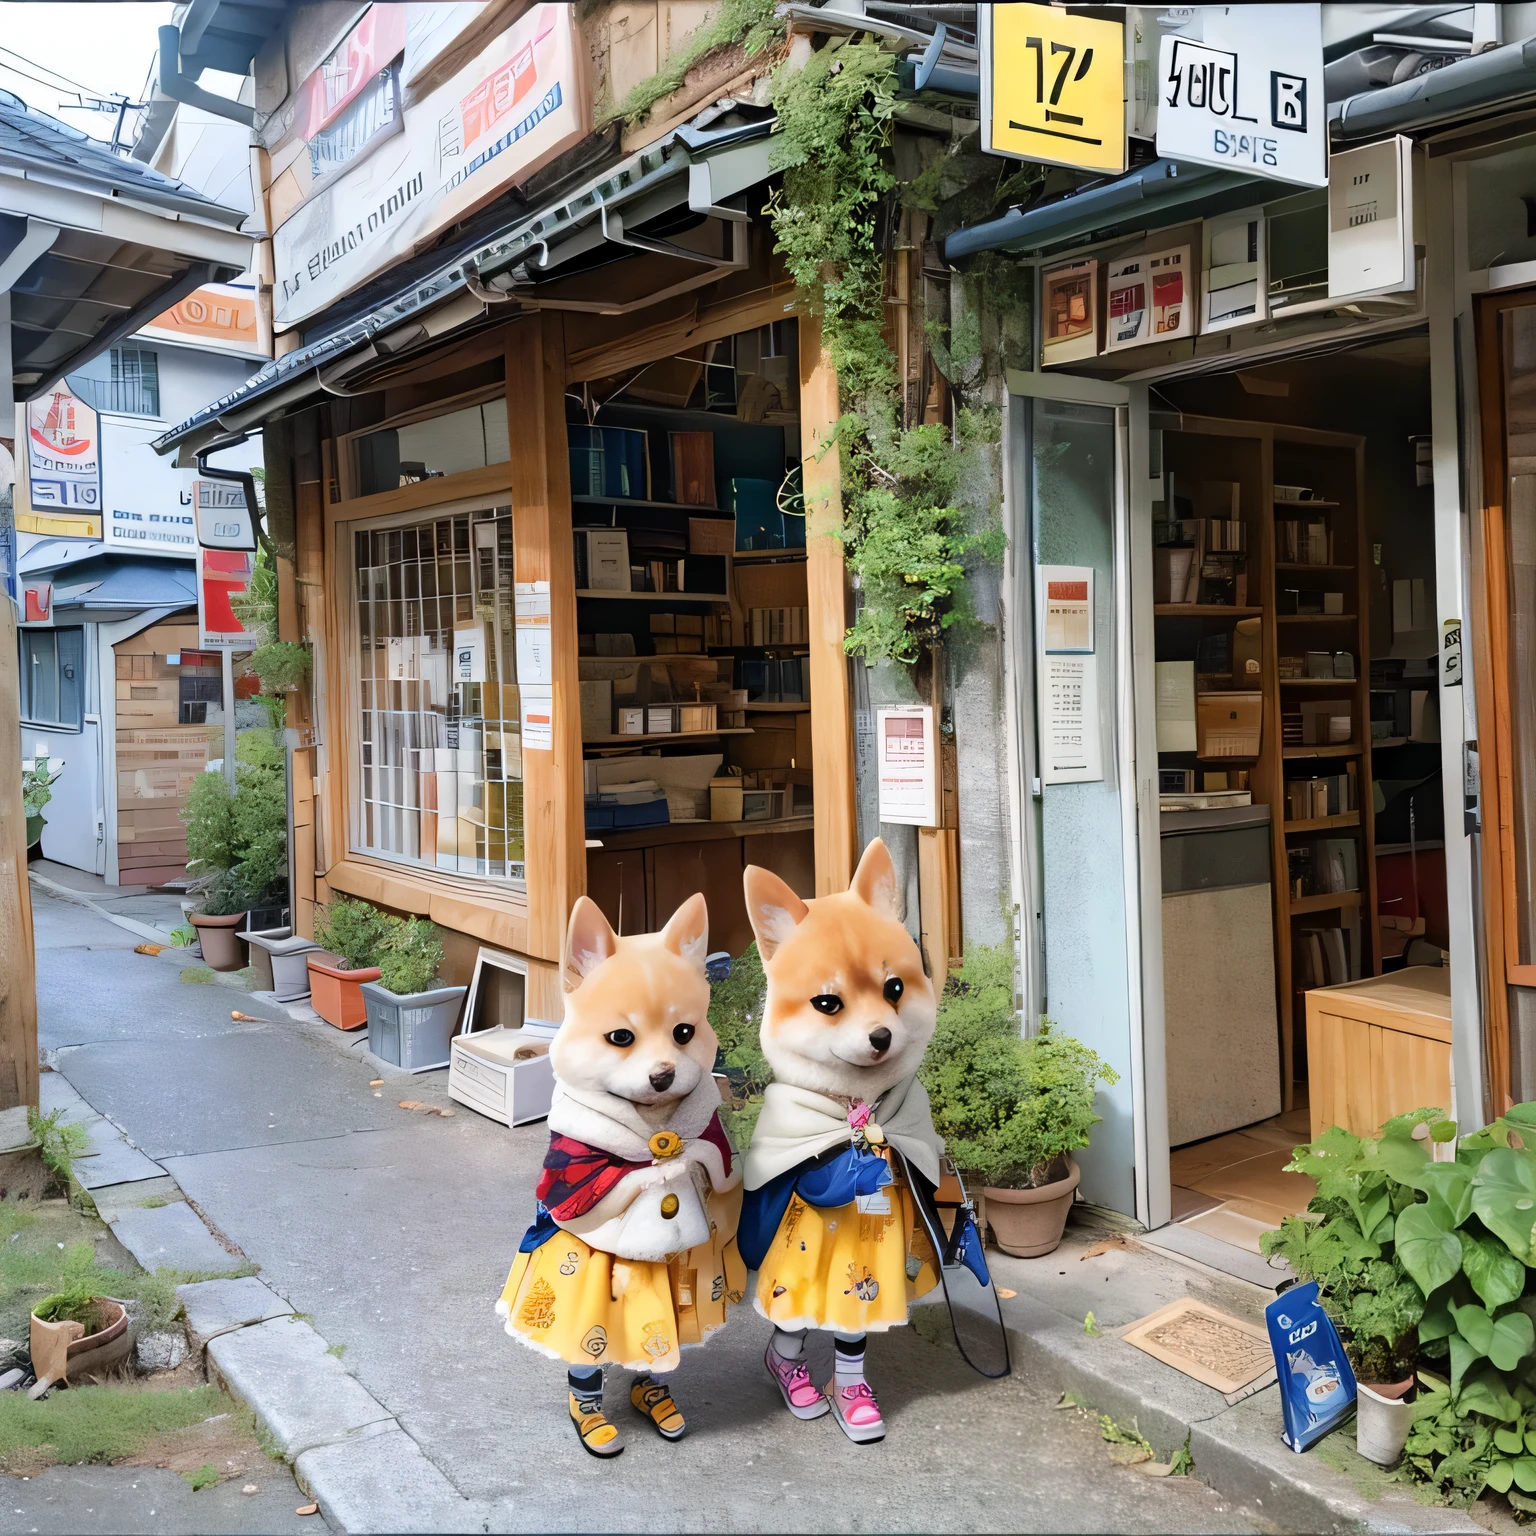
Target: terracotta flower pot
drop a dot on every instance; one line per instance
(64, 1351)
(336, 993)
(1029, 1222)
(223, 948)
(1383, 1418)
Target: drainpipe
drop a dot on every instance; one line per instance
(184, 88)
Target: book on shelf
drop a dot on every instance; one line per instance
(1303, 541)
(1327, 956)
(1326, 866)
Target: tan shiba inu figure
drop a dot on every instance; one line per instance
(632, 1253)
(829, 1220)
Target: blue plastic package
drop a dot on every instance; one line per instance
(1317, 1387)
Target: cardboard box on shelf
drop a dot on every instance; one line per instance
(1229, 724)
(725, 798)
(631, 721)
(597, 708)
(711, 535)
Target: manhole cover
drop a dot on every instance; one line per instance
(1222, 1351)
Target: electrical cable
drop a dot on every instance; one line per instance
(67, 82)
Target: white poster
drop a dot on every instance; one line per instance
(469, 654)
(538, 710)
(520, 102)
(535, 656)
(909, 768)
(1242, 86)
(148, 501)
(1068, 672)
(63, 453)
(1149, 299)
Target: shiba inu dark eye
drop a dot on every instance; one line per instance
(828, 1002)
(893, 990)
(684, 1033)
(620, 1037)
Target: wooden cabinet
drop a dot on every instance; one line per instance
(1378, 1048)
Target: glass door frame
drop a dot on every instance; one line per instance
(1134, 745)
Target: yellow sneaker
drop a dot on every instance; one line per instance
(598, 1437)
(654, 1400)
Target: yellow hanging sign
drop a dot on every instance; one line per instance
(1053, 85)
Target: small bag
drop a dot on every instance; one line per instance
(1317, 1387)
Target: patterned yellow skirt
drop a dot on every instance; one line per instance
(573, 1303)
(846, 1270)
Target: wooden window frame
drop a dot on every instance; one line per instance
(369, 867)
(346, 459)
(1491, 657)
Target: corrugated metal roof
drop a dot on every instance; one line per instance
(33, 142)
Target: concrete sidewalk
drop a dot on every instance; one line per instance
(391, 1232)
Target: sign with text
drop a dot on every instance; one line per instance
(224, 521)
(223, 576)
(1068, 670)
(1053, 86)
(63, 454)
(221, 316)
(909, 765)
(1241, 86)
(148, 499)
(520, 102)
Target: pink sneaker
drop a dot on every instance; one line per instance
(857, 1412)
(800, 1393)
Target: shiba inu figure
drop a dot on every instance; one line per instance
(632, 1253)
(830, 1222)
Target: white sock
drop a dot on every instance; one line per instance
(848, 1358)
(788, 1346)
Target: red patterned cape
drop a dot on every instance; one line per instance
(577, 1176)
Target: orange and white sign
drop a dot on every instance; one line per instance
(222, 576)
(518, 104)
(375, 42)
(220, 316)
(63, 454)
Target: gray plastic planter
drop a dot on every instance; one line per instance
(278, 959)
(412, 1030)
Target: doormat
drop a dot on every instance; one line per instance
(1212, 1347)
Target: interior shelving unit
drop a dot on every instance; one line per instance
(1260, 456)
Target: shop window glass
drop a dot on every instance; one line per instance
(53, 677)
(427, 450)
(1520, 448)
(440, 764)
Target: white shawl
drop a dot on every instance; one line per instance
(797, 1125)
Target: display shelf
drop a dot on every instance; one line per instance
(1314, 618)
(699, 832)
(1318, 682)
(1308, 565)
(1203, 611)
(781, 707)
(1325, 823)
(605, 596)
(648, 506)
(654, 736)
(1329, 749)
(1330, 901)
(1323, 504)
(745, 556)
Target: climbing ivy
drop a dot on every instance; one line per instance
(754, 24)
(907, 528)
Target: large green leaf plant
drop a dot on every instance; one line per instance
(1427, 1260)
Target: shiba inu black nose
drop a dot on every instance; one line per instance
(661, 1078)
(880, 1039)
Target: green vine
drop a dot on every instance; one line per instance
(907, 526)
(754, 24)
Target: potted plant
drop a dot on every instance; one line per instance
(1012, 1111)
(38, 776)
(76, 1333)
(350, 934)
(410, 1022)
(222, 906)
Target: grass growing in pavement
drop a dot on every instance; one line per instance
(97, 1423)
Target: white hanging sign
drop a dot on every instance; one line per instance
(909, 773)
(1241, 86)
(224, 520)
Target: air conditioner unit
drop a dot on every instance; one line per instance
(1370, 220)
(1296, 249)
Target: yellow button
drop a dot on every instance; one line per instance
(665, 1144)
(669, 1206)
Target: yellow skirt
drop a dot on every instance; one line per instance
(846, 1270)
(573, 1303)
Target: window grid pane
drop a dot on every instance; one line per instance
(440, 770)
(135, 387)
(53, 677)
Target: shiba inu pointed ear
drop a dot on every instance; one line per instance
(589, 940)
(772, 909)
(687, 930)
(874, 881)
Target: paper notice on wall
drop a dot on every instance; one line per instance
(908, 758)
(469, 654)
(535, 654)
(538, 712)
(1068, 672)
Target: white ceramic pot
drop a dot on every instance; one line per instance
(1382, 1422)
